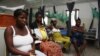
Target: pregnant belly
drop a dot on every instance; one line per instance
(25, 48)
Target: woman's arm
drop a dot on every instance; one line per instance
(75, 29)
(8, 35)
(33, 44)
(81, 29)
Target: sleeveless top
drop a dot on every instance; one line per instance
(55, 30)
(43, 33)
(22, 43)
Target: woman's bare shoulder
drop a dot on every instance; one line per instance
(8, 30)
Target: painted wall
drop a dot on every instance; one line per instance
(84, 12)
(2, 43)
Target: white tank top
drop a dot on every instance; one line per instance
(22, 43)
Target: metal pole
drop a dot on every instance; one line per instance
(99, 22)
(42, 2)
(68, 23)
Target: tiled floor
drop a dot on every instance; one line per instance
(89, 51)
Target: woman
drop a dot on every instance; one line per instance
(77, 37)
(48, 47)
(18, 37)
(57, 36)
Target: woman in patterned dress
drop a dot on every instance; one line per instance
(48, 47)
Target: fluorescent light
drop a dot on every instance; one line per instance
(71, 1)
(13, 8)
(29, 0)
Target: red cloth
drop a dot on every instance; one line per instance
(51, 49)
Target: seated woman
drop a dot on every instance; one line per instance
(48, 47)
(56, 34)
(18, 38)
(77, 37)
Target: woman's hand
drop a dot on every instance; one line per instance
(74, 30)
(32, 52)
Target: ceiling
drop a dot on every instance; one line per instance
(37, 3)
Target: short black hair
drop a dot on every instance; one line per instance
(18, 12)
(38, 13)
(78, 19)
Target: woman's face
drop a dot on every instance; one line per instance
(54, 22)
(78, 22)
(22, 19)
(39, 18)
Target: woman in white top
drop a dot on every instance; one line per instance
(18, 38)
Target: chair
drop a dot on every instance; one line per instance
(92, 34)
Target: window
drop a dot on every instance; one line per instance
(74, 15)
(45, 18)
